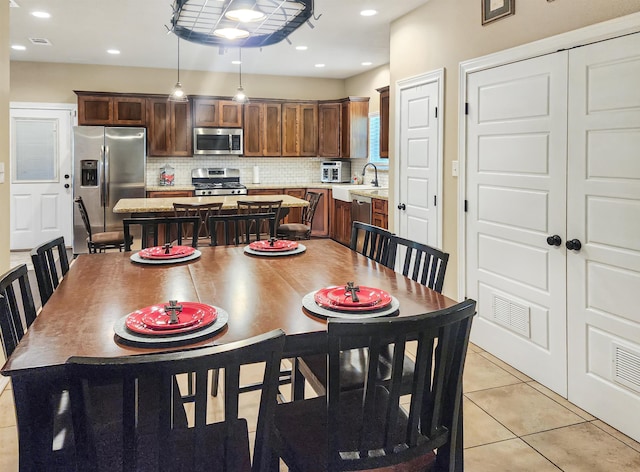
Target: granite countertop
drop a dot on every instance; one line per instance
(382, 194)
(229, 202)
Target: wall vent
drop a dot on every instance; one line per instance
(626, 366)
(512, 315)
(13, 4)
(40, 41)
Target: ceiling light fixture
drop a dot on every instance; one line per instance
(244, 11)
(18, 47)
(319, 65)
(368, 12)
(366, 63)
(231, 33)
(302, 48)
(113, 51)
(240, 96)
(41, 14)
(178, 95)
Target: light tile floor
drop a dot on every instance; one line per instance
(511, 423)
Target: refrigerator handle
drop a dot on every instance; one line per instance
(101, 176)
(107, 177)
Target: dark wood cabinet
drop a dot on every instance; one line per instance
(384, 121)
(300, 129)
(169, 128)
(329, 117)
(262, 129)
(295, 214)
(341, 222)
(169, 193)
(379, 213)
(343, 128)
(320, 225)
(216, 113)
(111, 110)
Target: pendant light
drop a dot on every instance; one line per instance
(178, 95)
(244, 11)
(240, 96)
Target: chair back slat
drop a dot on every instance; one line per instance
(373, 242)
(386, 435)
(179, 229)
(17, 309)
(241, 228)
(309, 212)
(422, 263)
(45, 265)
(201, 210)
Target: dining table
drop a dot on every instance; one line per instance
(259, 293)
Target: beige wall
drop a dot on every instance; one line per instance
(53, 82)
(4, 135)
(444, 33)
(365, 85)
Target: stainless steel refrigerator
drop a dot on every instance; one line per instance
(109, 163)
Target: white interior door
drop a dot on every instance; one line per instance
(604, 215)
(420, 160)
(516, 177)
(41, 197)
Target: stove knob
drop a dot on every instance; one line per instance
(208, 192)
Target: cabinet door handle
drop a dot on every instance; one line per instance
(402, 206)
(554, 240)
(574, 245)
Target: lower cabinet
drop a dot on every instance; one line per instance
(379, 213)
(295, 214)
(320, 225)
(341, 221)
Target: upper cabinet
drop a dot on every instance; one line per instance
(384, 121)
(110, 109)
(343, 128)
(216, 113)
(300, 129)
(262, 129)
(169, 128)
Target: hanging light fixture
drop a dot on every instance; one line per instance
(244, 11)
(240, 96)
(178, 95)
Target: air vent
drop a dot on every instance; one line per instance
(626, 366)
(13, 4)
(40, 41)
(511, 315)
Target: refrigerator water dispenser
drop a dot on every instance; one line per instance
(89, 173)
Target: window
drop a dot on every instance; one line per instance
(374, 142)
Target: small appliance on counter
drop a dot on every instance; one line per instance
(167, 175)
(335, 171)
(217, 181)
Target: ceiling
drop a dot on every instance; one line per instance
(81, 31)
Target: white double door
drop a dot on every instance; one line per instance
(552, 156)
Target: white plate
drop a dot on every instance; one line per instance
(253, 252)
(140, 260)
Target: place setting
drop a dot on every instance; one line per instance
(170, 323)
(274, 247)
(350, 301)
(167, 254)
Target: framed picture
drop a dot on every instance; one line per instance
(495, 9)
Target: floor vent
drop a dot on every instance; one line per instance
(40, 41)
(626, 366)
(513, 316)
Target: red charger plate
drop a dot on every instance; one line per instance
(158, 252)
(370, 299)
(153, 320)
(279, 245)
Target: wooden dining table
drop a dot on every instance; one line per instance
(260, 293)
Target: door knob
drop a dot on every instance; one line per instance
(554, 240)
(574, 245)
(402, 206)
(66, 176)
(66, 185)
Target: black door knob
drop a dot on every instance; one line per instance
(574, 245)
(554, 240)
(66, 185)
(66, 176)
(402, 206)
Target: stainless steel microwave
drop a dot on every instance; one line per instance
(217, 141)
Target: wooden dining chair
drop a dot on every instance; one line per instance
(367, 428)
(422, 263)
(371, 241)
(50, 263)
(162, 230)
(146, 434)
(265, 206)
(301, 230)
(241, 228)
(202, 211)
(103, 240)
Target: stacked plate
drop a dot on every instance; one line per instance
(165, 255)
(274, 247)
(350, 301)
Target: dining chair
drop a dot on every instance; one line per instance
(100, 241)
(202, 211)
(241, 228)
(302, 230)
(422, 263)
(46, 263)
(257, 206)
(162, 230)
(146, 435)
(368, 428)
(371, 241)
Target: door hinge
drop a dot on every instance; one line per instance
(466, 108)
(435, 200)
(436, 112)
(466, 206)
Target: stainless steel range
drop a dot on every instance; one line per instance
(217, 181)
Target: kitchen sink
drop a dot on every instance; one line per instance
(343, 192)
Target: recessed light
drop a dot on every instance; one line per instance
(18, 47)
(231, 33)
(367, 63)
(113, 51)
(368, 12)
(319, 65)
(41, 14)
(302, 48)
(236, 62)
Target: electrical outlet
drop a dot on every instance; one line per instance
(454, 168)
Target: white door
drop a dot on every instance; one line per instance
(41, 198)
(604, 215)
(419, 160)
(516, 173)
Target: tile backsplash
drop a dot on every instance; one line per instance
(272, 170)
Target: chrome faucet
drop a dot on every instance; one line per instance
(374, 182)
